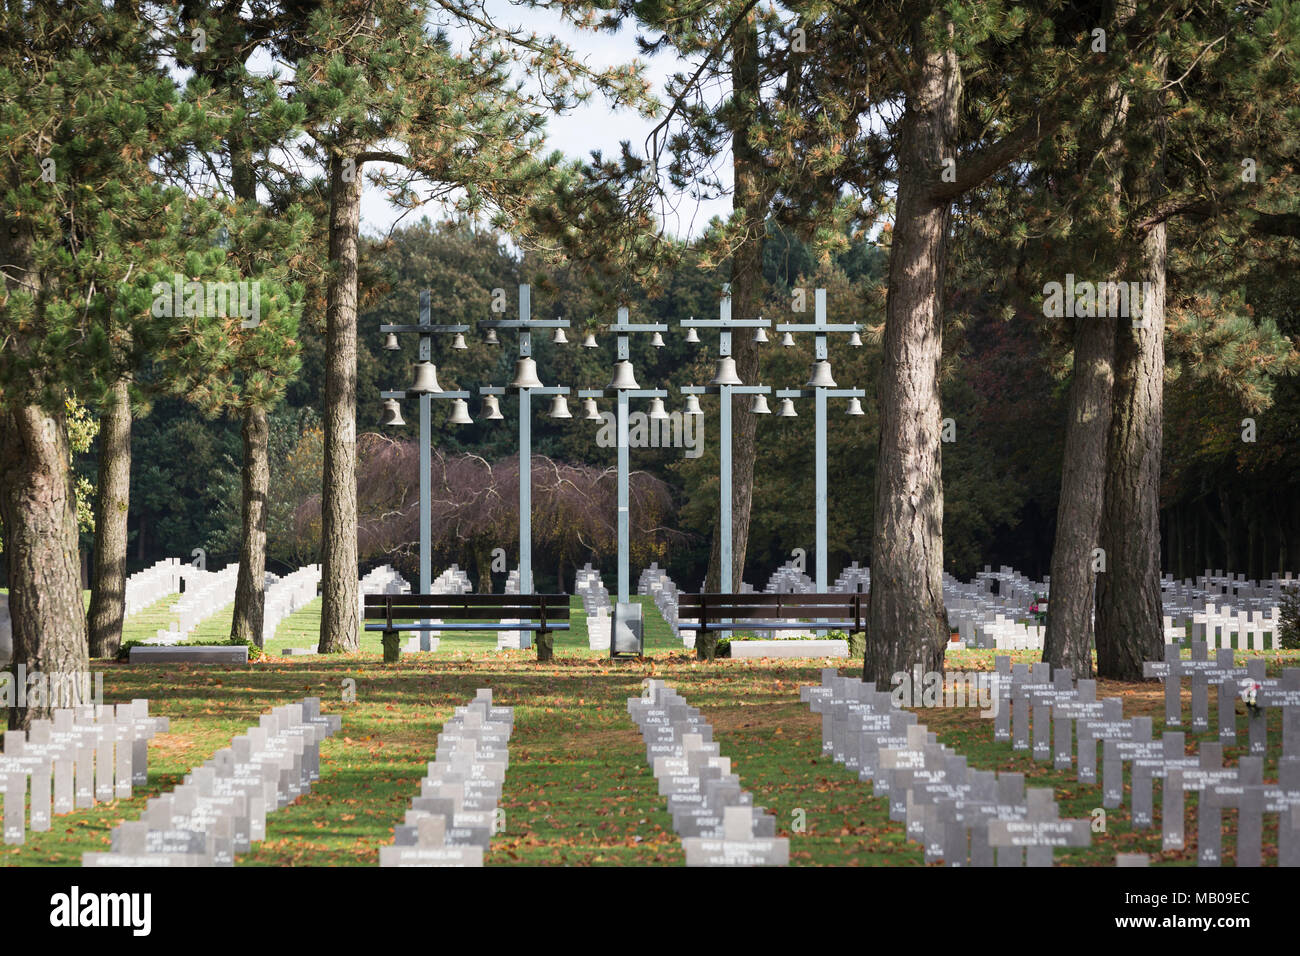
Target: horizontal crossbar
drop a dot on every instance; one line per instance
(468, 600)
(455, 626)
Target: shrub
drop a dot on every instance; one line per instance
(1289, 612)
(255, 653)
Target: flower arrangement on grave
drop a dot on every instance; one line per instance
(1039, 608)
(1250, 696)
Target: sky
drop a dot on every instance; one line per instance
(592, 126)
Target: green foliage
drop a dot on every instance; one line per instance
(1290, 619)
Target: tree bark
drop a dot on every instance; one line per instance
(1071, 605)
(39, 509)
(906, 620)
(250, 587)
(108, 579)
(1068, 642)
(1129, 622)
(339, 625)
(249, 611)
(751, 197)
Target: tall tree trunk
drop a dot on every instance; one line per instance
(906, 620)
(108, 580)
(250, 587)
(338, 622)
(750, 197)
(1068, 642)
(39, 508)
(1129, 622)
(1071, 607)
(255, 477)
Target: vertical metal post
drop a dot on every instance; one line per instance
(624, 536)
(525, 456)
(624, 531)
(724, 427)
(426, 465)
(821, 491)
(821, 353)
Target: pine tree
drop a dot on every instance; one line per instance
(267, 244)
(379, 88)
(86, 231)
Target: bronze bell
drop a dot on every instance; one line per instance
(426, 379)
(726, 374)
(392, 413)
(623, 376)
(460, 412)
(820, 376)
(560, 407)
(526, 374)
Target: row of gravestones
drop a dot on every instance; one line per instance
(596, 605)
(1216, 585)
(958, 815)
(1047, 713)
(716, 819)
(513, 640)
(206, 593)
(287, 595)
(991, 611)
(152, 584)
(655, 583)
(220, 809)
(84, 755)
(452, 821)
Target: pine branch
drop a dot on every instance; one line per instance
(983, 163)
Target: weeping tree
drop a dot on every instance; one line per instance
(475, 509)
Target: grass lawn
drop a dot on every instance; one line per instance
(578, 790)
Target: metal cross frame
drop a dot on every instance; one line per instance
(525, 324)
(425, 329)
(624, 329)
(725, 324)
(821, 352)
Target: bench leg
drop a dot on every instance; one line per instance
(545, 645)
(392, 647)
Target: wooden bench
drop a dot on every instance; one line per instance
(542, 613)
(710, 614)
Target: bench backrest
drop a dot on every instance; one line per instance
(711, 608)
(467, 607)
